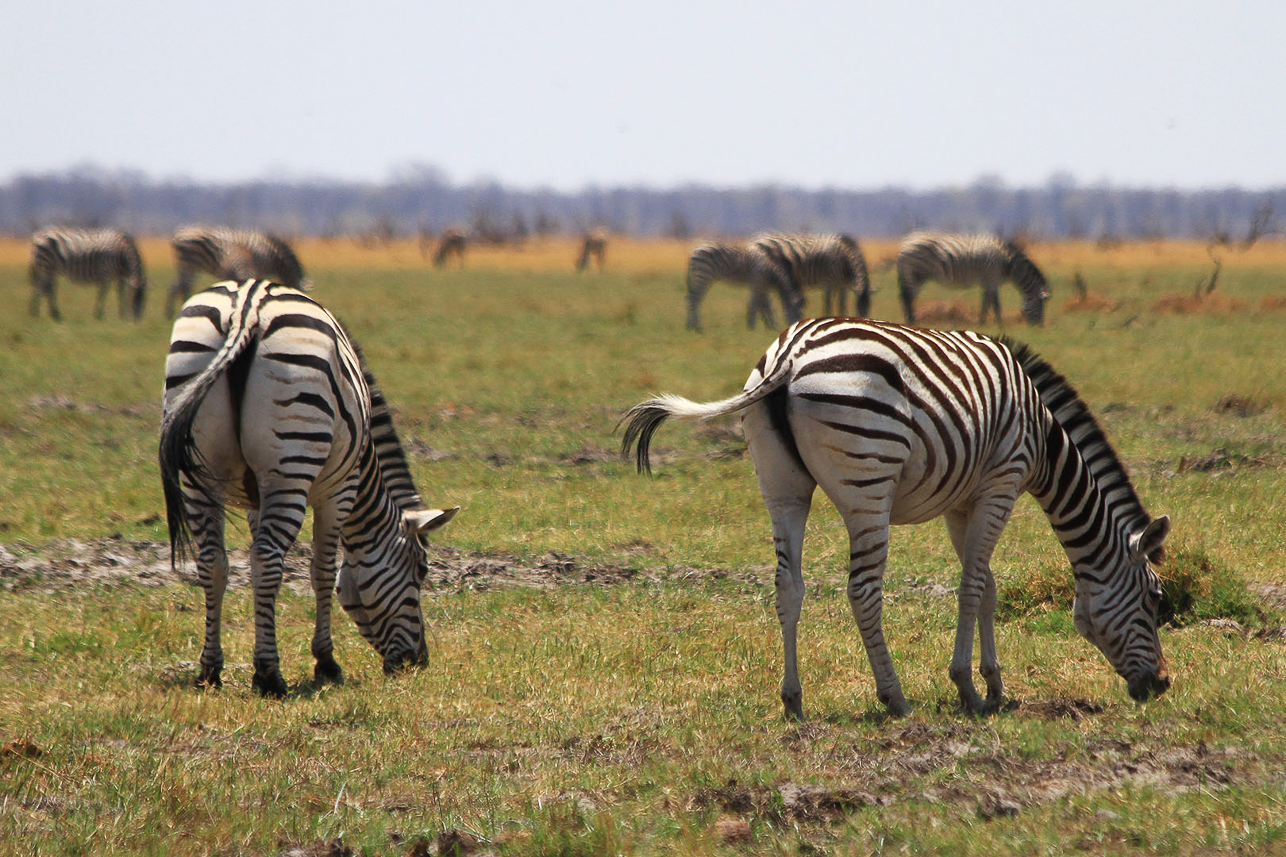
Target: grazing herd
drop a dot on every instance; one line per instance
(270, 407)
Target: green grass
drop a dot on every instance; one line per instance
(636, 718)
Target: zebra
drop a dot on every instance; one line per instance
(451, 243)
(594, 245)
(87, 256)
(269, 406)
(741, 264)
(230, 254)
(833, 261)
(900, 425)
(958, 260)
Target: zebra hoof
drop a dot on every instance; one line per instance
(328, 671)
(794, 708)
(270, 686)
(208, 678)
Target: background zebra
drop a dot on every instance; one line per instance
(87, 256)
(451, 244)
(269, 407)
(833, 262)
(740, 263)
(230, 254)
(900, 425)
(593, 246)
(960, 260)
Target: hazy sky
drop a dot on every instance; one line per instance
(565, 94)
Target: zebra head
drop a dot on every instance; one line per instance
(384, 598)
(1116, 610)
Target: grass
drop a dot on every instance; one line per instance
(643, 717)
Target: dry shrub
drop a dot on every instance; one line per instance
(1273, 303)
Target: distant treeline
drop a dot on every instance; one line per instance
(424, 202)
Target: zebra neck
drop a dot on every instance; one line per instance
(1091, 508)
(375, 520)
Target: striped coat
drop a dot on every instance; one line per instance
(834, 262)
(961, 260)
(269, 407)
(101, 256)
(230, 254)
(739, 263)
(899, 425)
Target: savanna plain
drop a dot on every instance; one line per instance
(604, 653)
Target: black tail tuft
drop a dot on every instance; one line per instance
(643, 421)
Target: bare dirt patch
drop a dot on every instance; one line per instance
(114, 559)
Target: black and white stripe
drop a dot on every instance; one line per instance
(900, 425)
(740, 263)
(961, 260)
(834, 262)
(87, 256)
(230, 254)
(269, 407)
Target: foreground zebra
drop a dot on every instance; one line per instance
(740, 263)
(230, 254)
(593, 246)
(87, 256)
(960, 260)
(832, 261)
(900, 425)
(269, 407)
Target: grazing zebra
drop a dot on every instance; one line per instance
(87, 256)
(740, 264)
(959, 260)
(900, 425)
(833, 261)
(451, 243)
(230, 254)
(593, 246)
(269, 407)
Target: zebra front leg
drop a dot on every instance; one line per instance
(974, 535)
(100, 305)
(322, 572)
(907, 291)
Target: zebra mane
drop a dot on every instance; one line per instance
(1073, 415)
(389, 453)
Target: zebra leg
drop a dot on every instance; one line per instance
(278, 521)
(179, 292)
(990, 300)
(46, 291)
(906, 291)
(868, 553)
(974, 535)
(697, 288)
(326, 532)
(787, 489)
(100, 305)
(212, 572)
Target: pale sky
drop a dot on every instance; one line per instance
(566, 94)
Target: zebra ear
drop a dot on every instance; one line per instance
(427, 520)
(1151, 542)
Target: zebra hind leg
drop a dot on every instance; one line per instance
(278, 522)
(322, 572)
(868, 555)
(212, 571)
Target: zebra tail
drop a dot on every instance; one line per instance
(178, 455)
(642, 420)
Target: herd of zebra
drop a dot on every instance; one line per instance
(787, 264)
(104, 256)
(269, 406)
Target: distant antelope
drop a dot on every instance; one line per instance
(451, 243)
(594, 245)
(86, 256)
(960, 260)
